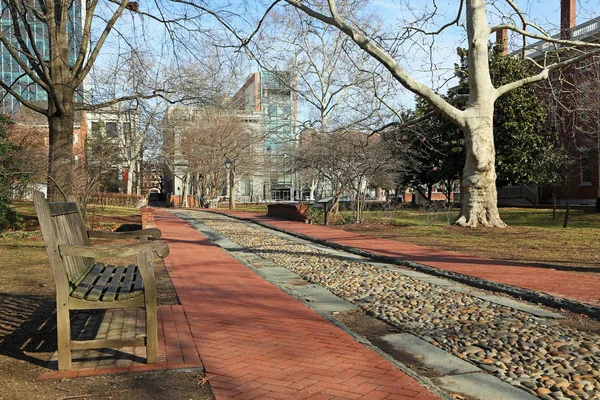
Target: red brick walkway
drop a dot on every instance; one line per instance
(578, 286)
(257, 342)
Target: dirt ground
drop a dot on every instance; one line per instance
(28, 337)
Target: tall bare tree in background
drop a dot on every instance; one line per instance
(331, 74)
(202, 138)
(137, 118)
(478, 185)
(71, 45)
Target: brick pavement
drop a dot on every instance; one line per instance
(258, 342)
(578, 286)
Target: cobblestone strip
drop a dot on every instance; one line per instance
(537, 355)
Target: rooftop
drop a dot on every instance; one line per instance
(587, 31)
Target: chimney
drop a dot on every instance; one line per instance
(567, 18)
(502, 40)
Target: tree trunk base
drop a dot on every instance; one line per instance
(482, 217)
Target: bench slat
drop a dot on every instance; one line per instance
(100, 285)
(111, 291)
(62, 208)
(87, 282)
(125, 291)
(69, 232)
(139, 283)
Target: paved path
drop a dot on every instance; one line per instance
(258, 342)
(578, 286)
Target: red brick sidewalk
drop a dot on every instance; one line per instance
(257, 342)
(578, 286)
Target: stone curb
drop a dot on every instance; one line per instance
(526, 294)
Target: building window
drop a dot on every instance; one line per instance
(244, 187)
(586, 169)
(111, 129)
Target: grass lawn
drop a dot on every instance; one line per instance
(532, 236)
(251, 207)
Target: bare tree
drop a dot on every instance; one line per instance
(96, 169)
(349, 160)
(202, 138)
(57, 43)
(479, 197)
(30, 158)
(330, 73)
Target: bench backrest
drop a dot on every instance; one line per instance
(61, 223)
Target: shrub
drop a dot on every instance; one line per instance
(8, 217)
(344, 219)
(315, 215)
(598, 204)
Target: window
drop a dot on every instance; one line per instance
(111, 129)
(244, 188)
(586, 169)
(126, 126)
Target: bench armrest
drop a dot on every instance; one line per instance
(158, 247)
(141, 233)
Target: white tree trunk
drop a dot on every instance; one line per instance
(479, 198)
(132, 172)
(313, 188)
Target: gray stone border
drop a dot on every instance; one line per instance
(526, 294)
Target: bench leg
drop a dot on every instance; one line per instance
(151, 330)
(63, 328)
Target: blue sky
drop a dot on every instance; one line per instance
(414, 58)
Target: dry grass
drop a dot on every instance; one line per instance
(532, 237)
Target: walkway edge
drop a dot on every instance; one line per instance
(526, 294)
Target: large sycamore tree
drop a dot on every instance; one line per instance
(478, 186)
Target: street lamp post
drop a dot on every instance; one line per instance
(231, 168)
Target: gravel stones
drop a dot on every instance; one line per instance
(538, 356)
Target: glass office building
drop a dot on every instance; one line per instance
(12, 73)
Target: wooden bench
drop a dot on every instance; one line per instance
(83, 284)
